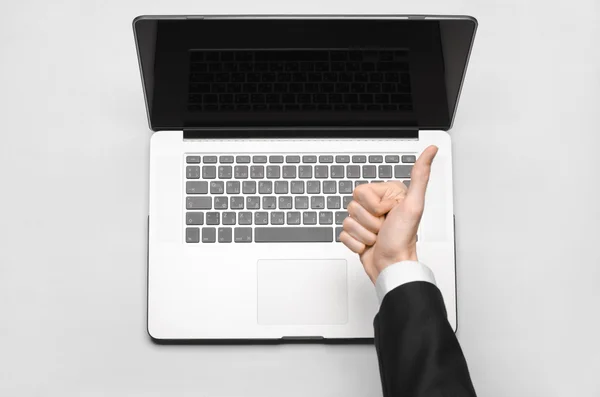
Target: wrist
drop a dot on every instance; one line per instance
(406, 255)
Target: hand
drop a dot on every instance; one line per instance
(384, 218)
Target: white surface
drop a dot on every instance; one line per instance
(184, 278)
(74, 169)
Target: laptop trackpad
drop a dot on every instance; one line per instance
(302, 291)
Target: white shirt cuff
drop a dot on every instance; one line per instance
(401, 273)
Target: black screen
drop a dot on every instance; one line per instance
(302, 72)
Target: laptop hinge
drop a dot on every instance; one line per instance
(302, 132)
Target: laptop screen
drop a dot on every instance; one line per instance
(302, 72)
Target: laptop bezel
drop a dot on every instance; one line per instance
(293, 17)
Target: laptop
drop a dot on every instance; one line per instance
(263, 126)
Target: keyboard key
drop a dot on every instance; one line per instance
(321, 171)
(228, 218)
(192, 235)
(253, 202)
(353, 171)
(305, 171)
(289, 171)
(269, 202)
(309, 159)
(265, 187)
(210, 159)
(276, 159)
(217, 187)
(301, 202)
(407, 183)
(342, 159)
(240, 172)
(194, 218)
(297, 187)
(209, 234)
(309, 218)
(277, 218)
(293, 218)
(273, 172)
(200, 187)
(325, 218)
(337, 171)
(359, 159)
(232, 187)
(212, 218)
(249, 187)
(225, 171)
(376, 159)
(257, 171)
(317, 202)
(409, 158)
(346, 200)
(325, 159)
(259, 159)
(285, 203)
(242, 159)
(192, 172)
(242, 235)
(329, 187)
(385, 171)
(224, 234)
(345, 187)
(244, 218)
(292, 159)
(392, 158)
(236, 203)
(402, 171)
(198, 203)
(281, 187)
(209, 172)
(333, 203)
(357, 183)
(369, 171)
(192, 159)
(313, 234)
(226, 159)
(338, 231)
(221, 203)
(261, 218)
(340, 216)
(313, 187)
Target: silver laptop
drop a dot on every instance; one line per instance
(263, 126)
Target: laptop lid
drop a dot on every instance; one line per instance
(337, 71)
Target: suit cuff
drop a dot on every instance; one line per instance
(401, 273)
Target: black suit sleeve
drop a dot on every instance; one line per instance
(419, 355)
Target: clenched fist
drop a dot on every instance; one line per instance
(384, 218)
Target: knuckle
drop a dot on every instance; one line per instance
(371, 239)
(358, 192)
(378, 210)
(376, 225)
(347, 223)
(344, 237)
(352, 207)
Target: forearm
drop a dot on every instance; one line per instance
(418, 352)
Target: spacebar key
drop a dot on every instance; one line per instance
(293, 234)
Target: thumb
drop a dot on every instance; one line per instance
(420, 176)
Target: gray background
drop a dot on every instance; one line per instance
(74, 183)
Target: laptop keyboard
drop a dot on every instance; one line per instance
(279, 198)
(299, 80)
